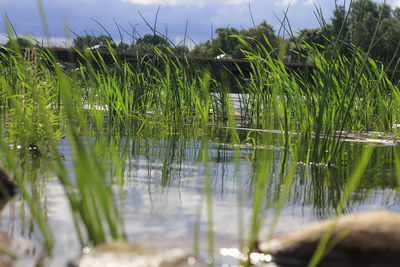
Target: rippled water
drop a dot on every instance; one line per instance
(164, 197)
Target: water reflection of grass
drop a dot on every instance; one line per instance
(161, 108)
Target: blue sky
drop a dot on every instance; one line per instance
(172, 17)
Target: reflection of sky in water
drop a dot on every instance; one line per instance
(164, 216)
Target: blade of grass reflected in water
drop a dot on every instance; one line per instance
(325, 244)
(262, 178)
(29, 189)
(208, 191)
(236, 142)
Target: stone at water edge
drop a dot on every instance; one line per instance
(7, 187)
(373, 239)
(124, 254)
(7, 190)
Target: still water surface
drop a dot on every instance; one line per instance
(164, 196)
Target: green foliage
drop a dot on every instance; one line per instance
(298, 51)
(342, 94)
(373, 28)
(180, 50)
(143, 45)
(225, 42)
(89, 41)
(20, 41)
(152, 40)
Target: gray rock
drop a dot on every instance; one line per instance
(7, 187)
(121, 254)
(369, 239)
(7, 190)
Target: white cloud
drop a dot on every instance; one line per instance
(185, 2)
(3, 39)
(285, 2)
(396, 3)
(309, 2)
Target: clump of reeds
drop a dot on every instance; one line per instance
(341, 95)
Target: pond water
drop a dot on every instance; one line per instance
(164, 197)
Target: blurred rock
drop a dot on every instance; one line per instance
(369, 239)
(120, 253)
(7, 190)
(7, 187)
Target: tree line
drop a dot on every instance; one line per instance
(371, 27)
(141, 46)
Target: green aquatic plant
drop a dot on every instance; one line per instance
(341, 95)
(325, 244)
(93, 204)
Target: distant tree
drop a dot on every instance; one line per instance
(22, 42)
(226, 42)
(223, 43)
(387, 48)
(88, 41)
(396, 13)
(365, 24)
(370, 27)
(123, 47)
(340, 24)
(152, 40)
(363, 19)
(180, 50)
(264, 34)
(299, 46)
(203, 50)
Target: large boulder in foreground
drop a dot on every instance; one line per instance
(124, 254)
(370, 239)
